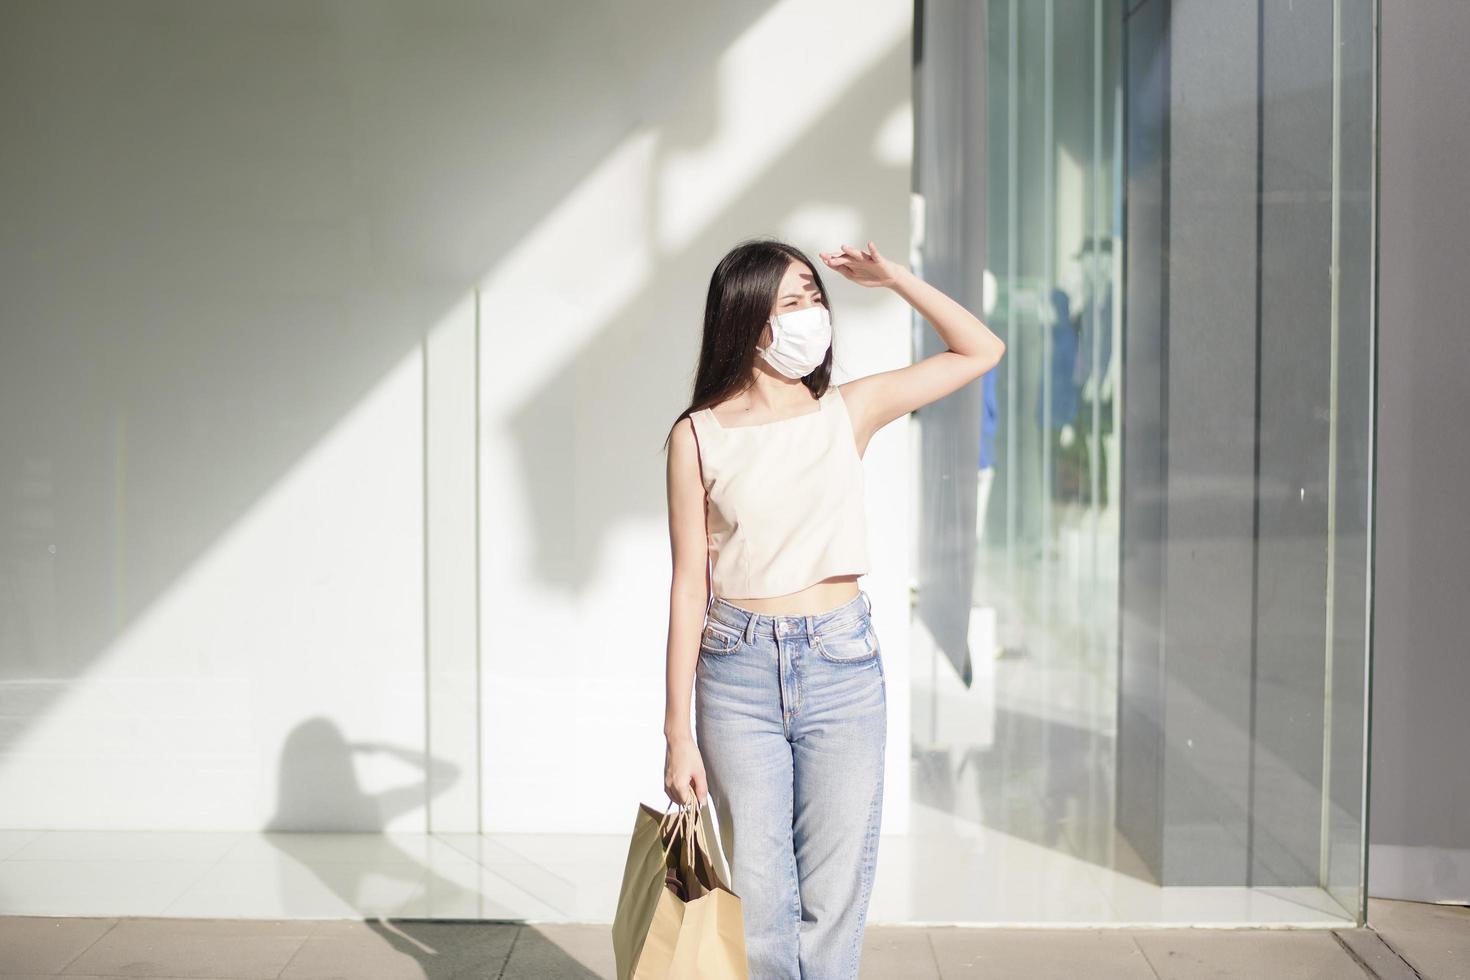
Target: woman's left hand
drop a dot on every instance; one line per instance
(863, 266)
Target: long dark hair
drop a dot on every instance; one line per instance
(742, 292)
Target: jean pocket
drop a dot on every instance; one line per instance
(718, 640)
(849, 645)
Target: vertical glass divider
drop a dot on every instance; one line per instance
(1089, 284)
(1048, 277)
(1012, 243)
(1364, 814)
(1048, 570)
(1324, 858)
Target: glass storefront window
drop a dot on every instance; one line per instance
(1140, 629)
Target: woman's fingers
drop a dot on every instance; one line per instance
(862, 266)
(848, 254)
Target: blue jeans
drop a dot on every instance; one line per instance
(791, 720)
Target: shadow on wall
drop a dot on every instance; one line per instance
(594, 407)
(318, 775)
(317, 772)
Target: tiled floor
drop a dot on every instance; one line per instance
(1412, 941)
(989, 878)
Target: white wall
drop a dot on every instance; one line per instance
(247, 503)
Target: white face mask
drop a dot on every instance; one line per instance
(800, 340)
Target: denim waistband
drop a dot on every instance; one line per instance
(751, 623)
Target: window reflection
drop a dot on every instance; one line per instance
(1140, 625)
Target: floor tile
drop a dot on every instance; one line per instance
(1139, 902)
(562, 952)
(1036, 954)
(272, 888)
(187, 949)
(125, 845)
(155, 947)
(107, 887)
(379, 950)
(1281, 954)
(898, 951)
(418, 850)
(13, 840)
(1379, 957)
(91, 976)
(988, 878)
(1434, 938)
(491, 849)
(45, 945)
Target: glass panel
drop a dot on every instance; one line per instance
(1156, 704)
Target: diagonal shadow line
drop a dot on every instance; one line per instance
(586, 407)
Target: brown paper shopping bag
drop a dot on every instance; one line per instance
(677, 918)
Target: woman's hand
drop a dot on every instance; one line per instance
(863, 266)
(683, 769)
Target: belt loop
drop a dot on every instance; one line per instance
(869, 601)
(810, 628)
(749, 632)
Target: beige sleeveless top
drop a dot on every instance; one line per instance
(786, 502)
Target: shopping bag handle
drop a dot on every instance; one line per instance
(682, 806)
(686, 812)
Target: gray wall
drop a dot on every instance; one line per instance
(1244, 504)
(1419, 821)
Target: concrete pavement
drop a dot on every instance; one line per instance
(1404, 941)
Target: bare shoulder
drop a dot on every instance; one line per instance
(683, 445)
(683, 465)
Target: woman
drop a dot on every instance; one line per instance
(767, 622)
